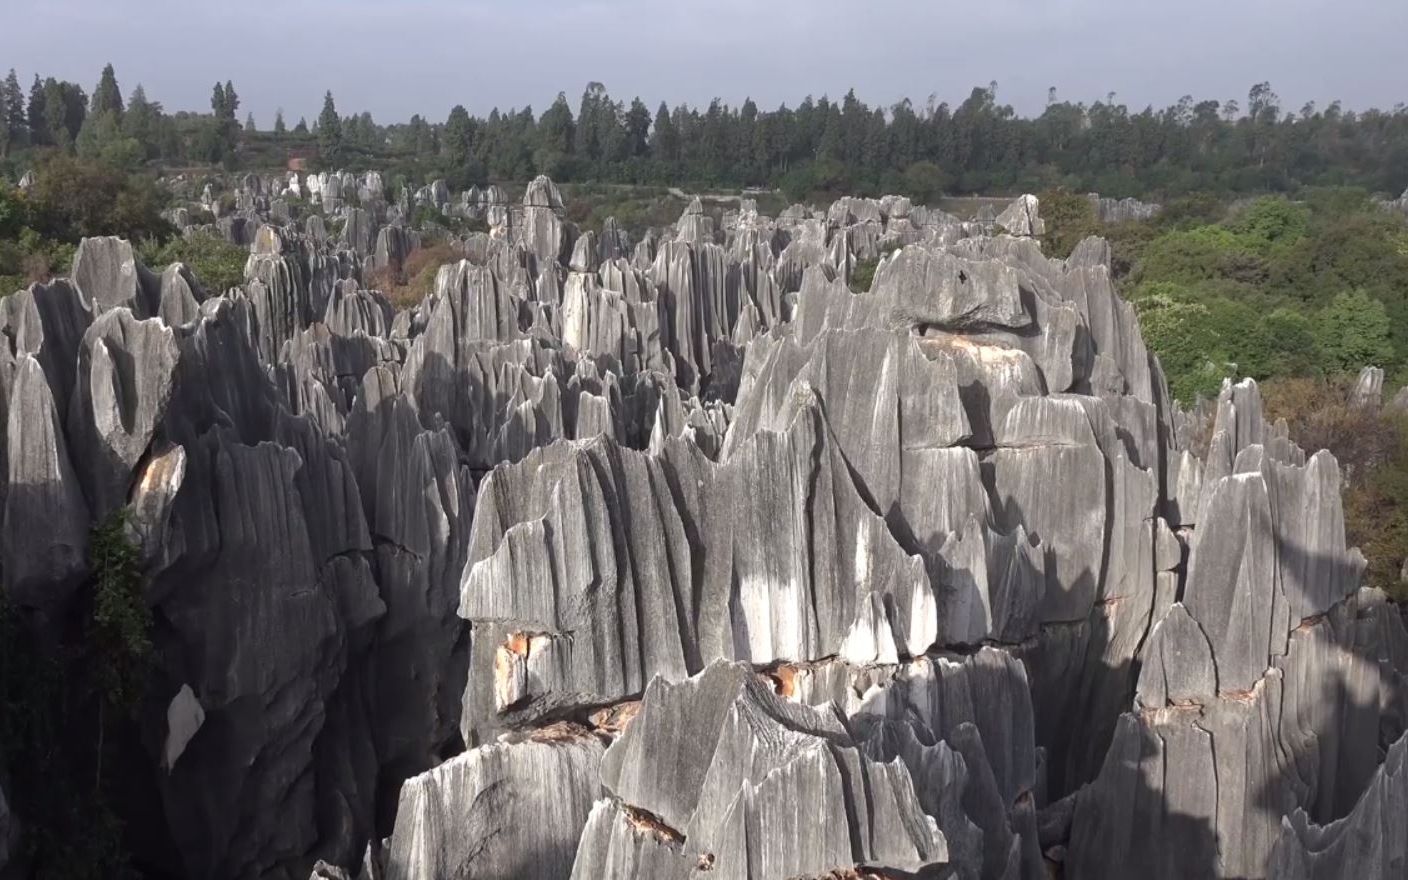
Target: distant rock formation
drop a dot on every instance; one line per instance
(1398, 205)
(1122, 210)
(665, 555)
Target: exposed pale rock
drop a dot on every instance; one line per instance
(108, 275)
(1023, 217)
(1368, 388)
(931, 579)
(1367, 844)
(184, 717)
(125, 371)
(1126, 210)
(508, 810)
(45, 523)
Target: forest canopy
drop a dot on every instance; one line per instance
(821, 146)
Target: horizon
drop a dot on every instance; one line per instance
(1172, 53)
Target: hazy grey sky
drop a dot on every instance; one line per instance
(399, 57)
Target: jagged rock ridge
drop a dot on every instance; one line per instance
(669, 556)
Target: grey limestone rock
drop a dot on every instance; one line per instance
(108, 275)
(45, 518)
(125, 372)
(509, 810)
(1369, 843)
(1022, 217)
(722, 760)
(1122, 210)
(1368, 388)
(181, 296)
(714, 566)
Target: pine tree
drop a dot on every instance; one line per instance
(556, 128)
(37, 113)
(217, 101)
(5, 136)
(232, 101)
(107, 97)
(280, 128)
(458, 132)
(15, 119)
(142, 122)
(330, 131)
(301, 127)
(665, 138)
(65, 109)
(637, 129)
(249, 123)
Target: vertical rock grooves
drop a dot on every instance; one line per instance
(671, 557)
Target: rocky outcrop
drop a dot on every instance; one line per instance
(1368, 388)
(1126, 210)
(1022, 217)
(1368, 843)
(1273, 660)
(108, 275)
(510, 810)
(668, 556)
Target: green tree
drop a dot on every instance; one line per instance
(1069, 218)
(121, 624)
(37, 113)
(1272, 221)
(557, 130)
(65, 108)
(637, 125)
(15, 119)
(72, 198)
(1353, 332)
(218, 265)
(107, 97)
(280, 129)
(1188, 341)
(143, 123)
(1292, 347)
(103, 139)
(665, 139)
(6, 136)
(925, 182)
(330, 132)
(459, 135)
(231, 107)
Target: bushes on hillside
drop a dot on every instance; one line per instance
(416, 280)
(218, 265)
(70, 199)
(1371, 445)
(1310, 288)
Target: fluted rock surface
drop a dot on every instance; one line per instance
(671, 556)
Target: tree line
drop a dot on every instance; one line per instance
(820, 146)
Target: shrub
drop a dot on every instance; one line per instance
(121, 622)
(217, 264)
(72, 198)
(416, 280)
(1353, 331)
(925, 183)
(863, 274)
(1372, 448)
(59, 700)
(1069, 219)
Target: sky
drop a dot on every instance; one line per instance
(396, 58)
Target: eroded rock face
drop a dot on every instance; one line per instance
(1369, 842)
(671, 556)
(509, 810)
